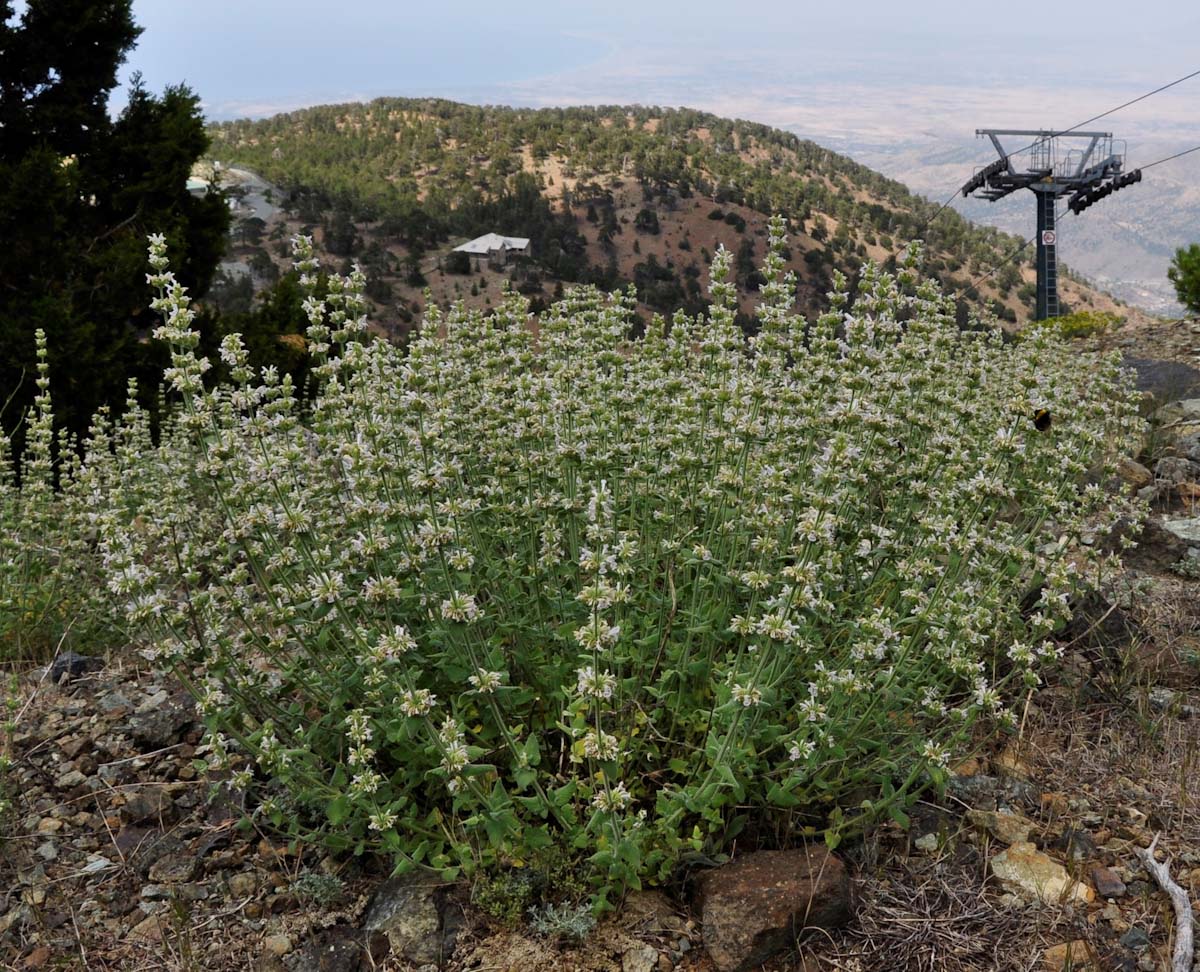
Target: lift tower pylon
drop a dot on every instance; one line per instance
(1088, 173)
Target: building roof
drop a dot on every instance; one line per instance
(493, 241)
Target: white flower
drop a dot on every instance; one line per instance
(485, 682)
(593, 684)
(461, 607)
(746, 695)
(612, 799)
(416, 703)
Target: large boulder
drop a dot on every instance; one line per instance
(756, 906)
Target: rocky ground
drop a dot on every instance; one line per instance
(118, 857)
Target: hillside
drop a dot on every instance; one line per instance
(608, 195)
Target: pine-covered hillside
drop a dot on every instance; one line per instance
(608, 195)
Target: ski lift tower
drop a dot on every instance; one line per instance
(1088, 172)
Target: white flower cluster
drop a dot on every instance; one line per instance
(700, 557)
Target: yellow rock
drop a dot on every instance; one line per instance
(1011, 828)
(1026, 871)
(1011, 761)
(1069, 957)
(967, 767)
(1134, 473)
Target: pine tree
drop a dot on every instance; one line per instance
(79, 192)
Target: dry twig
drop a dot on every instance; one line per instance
(1182, 959)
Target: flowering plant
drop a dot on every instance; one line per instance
(548, 583)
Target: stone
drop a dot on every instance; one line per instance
(756, 906)
(967, 767)
(147, 930)
(1011, 761)
(69, 666)
(1055, 804)
(155, 892)
(928, 843)
(1174, 470)
(1165, 380)
(1011, 828)
(1076, 956)
(173, 869)
(47, 851)
(277, 945)
(71, 779)
(639, 958)
(148, 805)
(49, 825)
(1135, 938)
(243, 884)
(1106, 882)
(407, 910)
(1189, 447)
(163, 725)
(339, 948)
(1077, 844)
(191, 892)
(1159, 546)
(1026, 871)
(1134, 473)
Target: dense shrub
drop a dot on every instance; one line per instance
(1078, 324)
(522, 588)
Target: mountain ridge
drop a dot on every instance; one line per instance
(624, 194)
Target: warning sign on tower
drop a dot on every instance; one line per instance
(1047, 237)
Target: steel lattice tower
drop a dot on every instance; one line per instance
(1088, 174)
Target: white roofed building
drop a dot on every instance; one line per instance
(494, 248)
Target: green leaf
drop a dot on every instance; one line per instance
(338, 810)
(779, 797)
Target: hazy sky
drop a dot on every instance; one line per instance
(257, 56)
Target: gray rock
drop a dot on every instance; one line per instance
(1186, 528)
(411, 911)
(1135, 938)
(339, 949)
(756, 906)
(984, 792)
(148, 805)
(639, 958)
(1189, 446)
(1165, 380)
(163, 725)
(1157, 546)
(69, 666)
(1174, 470)
(173, 869)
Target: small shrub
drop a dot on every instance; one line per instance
(1188, 567)
(321, 889)
(571, 923)
(1078, 324)
(549, 878)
